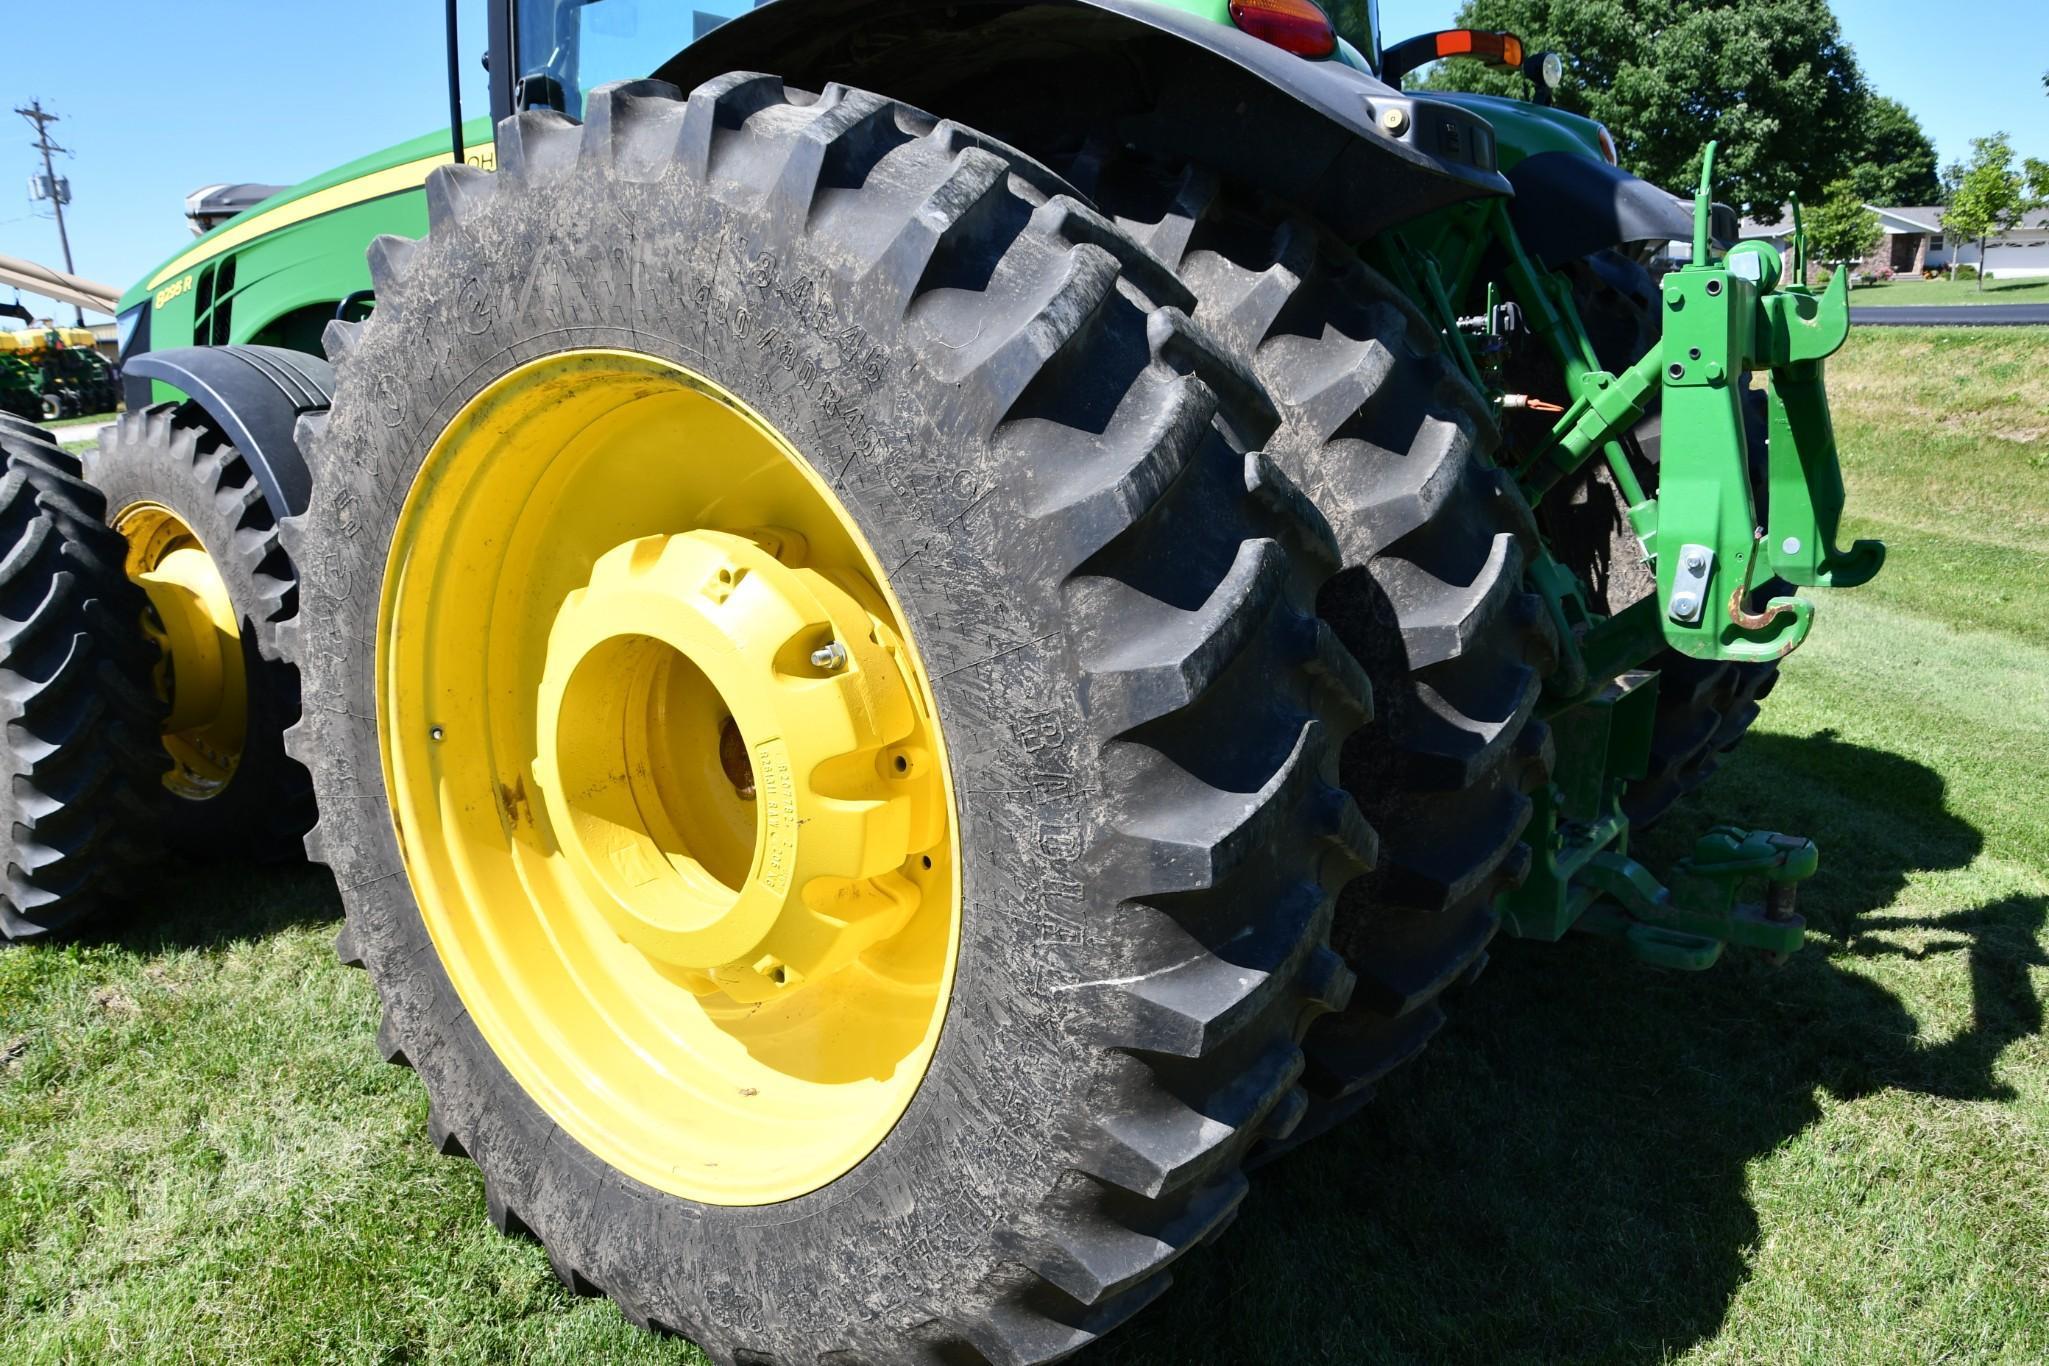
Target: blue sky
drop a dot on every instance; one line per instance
(160, 98)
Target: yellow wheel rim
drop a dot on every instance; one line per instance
(666, 776)
(199, 673)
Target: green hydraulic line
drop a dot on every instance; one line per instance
(1557, 322)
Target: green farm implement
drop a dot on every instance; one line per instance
(51, 372)
(904, 664)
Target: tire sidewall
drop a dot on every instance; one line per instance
(667, 270)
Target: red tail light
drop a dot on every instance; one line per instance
(1296, 26)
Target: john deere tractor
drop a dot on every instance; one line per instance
(921, 630)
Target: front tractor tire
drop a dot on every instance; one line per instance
(80, 754)
(202, 543)
(821, 725)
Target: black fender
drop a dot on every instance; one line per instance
(255, 395)
(1569, 206)
(1043, 75)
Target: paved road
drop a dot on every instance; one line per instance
(1951, 315)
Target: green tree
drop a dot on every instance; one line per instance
(1840, 230)
(1897, 163)
(1772, 80)
(1994, 196)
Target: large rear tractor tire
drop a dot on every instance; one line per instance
(1392, 445)
(821, 725)
(80, 756)
(1705, 707)
(203, 544)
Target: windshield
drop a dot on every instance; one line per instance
(568, 47)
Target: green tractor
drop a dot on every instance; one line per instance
(51, 372)
(911, 662)
(21, 388)
(21, 382)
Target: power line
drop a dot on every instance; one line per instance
(41, 121)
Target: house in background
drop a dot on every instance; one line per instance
(1914, 242)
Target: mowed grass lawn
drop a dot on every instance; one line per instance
(1947, 291)
(1845, 1159)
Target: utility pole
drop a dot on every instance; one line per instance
(41, 121)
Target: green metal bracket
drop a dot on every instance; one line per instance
(1707, 522)
(1712, 534)
(1582, 877)
(1721, 323)
(1599, 745)
(1606, 650)
(1686, 925)
(1800, 330)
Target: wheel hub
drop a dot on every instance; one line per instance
(666, 775)
(199, 671)
(752, 878)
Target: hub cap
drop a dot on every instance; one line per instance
(199, 670)
(665, 773)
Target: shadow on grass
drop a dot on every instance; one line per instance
(1563, 1177)
(201, 904)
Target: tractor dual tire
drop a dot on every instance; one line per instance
(169, 456)
(1392, 445)
(81, 758)
(1116, 597)
(1705, 707)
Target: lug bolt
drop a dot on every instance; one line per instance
(1791, 545)
(1395, 121)
(1696, 563)
(831, 656)
(1684, 605)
